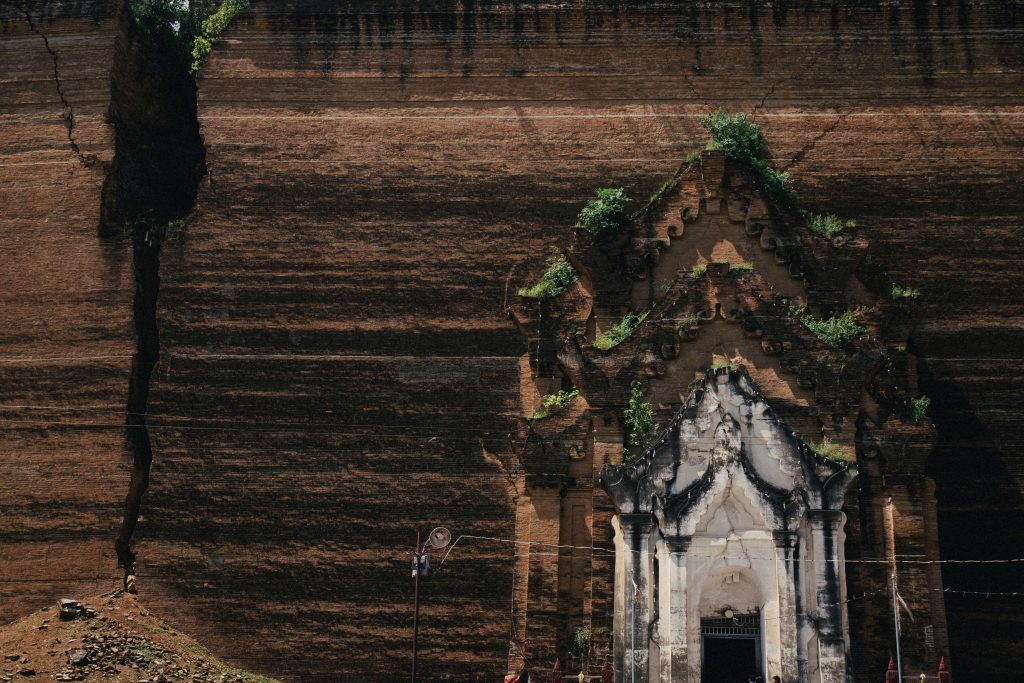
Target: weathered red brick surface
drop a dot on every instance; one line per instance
(65, 310)
(334, 351)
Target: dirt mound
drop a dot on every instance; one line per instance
(109, 638)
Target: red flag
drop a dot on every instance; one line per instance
(556, 673)
(891, 675)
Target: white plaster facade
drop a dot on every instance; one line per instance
(729, 519)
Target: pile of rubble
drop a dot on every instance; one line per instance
(106, 649)
(110, 650)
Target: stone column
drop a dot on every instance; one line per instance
(674, 623)
(607, 447)
(632, 640)
(828, 574)
(787, 547)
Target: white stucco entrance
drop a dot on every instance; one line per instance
(730, 523)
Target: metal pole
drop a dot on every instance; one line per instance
(416, 604)
(632, 637)
(896, 624)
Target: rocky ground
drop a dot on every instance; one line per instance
(108, 638)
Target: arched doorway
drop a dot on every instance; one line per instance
(730, 620)
(731, 648)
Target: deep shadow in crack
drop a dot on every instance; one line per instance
(159, 159)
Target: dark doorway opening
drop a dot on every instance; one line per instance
(729, 660)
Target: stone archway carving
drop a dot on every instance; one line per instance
(729, 513)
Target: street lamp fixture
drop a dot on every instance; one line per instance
(438, 538)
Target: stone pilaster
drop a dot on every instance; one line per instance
(826, 565)
(633, 638)
(786, 550)
(674, 623)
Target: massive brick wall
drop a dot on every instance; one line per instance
(336, 363)
(65, 309)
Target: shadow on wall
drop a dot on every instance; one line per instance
(981, 516)
(330, 33)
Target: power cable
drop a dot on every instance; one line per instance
(612, 551)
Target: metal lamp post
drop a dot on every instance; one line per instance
(438, 538)
(896, 627)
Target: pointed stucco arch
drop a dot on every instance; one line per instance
(729, 506)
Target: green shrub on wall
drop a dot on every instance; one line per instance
(897, 292)
(164, 15)
(919, 408)
(605, 215)
(194, 26)
(831, 451)
(620, 332)
(743, 142)
(553, 404)
(827, 225)
(736, 135)
(639, 424)
(836, 331)
(559, 276)
(212, 27)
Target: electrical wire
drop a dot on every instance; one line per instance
(986, 594)
(745, 556)
(340, 427)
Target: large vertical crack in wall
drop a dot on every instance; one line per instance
(146, 262)
(159, 159)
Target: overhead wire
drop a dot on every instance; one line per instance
(612, 551)
(179, 422)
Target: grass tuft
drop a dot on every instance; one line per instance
(737, 268)
(827, 225)
(620, 332)
(897, 292)
(553, 404)
(831, 451)
(559, 277)
(837, 331)
(688, 320)
(719, 363)
(919, 408)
